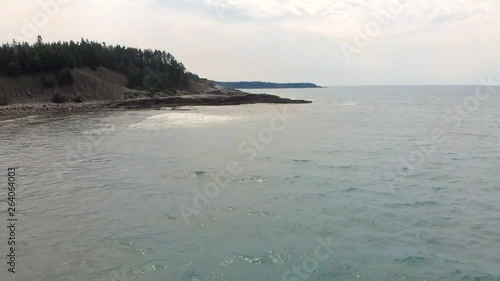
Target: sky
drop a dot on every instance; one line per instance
(328, 42)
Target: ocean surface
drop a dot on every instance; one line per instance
(366, 183)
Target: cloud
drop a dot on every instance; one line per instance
(427, 42)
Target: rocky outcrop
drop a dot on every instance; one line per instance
(205, 99)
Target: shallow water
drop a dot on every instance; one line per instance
(99, 194)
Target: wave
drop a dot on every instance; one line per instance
(346, 167)
(415, 204)
(251, 179)
(197, 174)
(413, 260)
(101, 130)
(302, 161)
(271, 258)
(16, 119)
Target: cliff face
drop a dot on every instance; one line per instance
(89, 85)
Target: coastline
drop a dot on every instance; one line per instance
(204, 100)
(17, 110)
(31, 108)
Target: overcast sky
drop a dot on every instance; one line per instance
(329, 42)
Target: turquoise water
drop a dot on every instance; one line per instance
(366, 183)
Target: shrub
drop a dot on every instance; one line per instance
(4, 100)
(78, 99)
(64, 77)
(58, 98)
(48, 83)
(135, 79)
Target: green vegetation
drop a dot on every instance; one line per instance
(78, 99)
(47, 83)
(64, 77)
(58, 98)
(4, 100)
(264, 85)
(145, 69)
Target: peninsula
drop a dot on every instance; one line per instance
(264, 85)
(73, 75)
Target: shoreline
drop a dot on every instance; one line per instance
(17, 110)
(204, 100)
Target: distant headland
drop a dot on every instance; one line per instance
(264, 85)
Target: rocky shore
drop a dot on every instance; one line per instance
(21, 109)
(205, 99)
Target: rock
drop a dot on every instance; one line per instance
(207, 99)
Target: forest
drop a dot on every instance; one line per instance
(145, 69)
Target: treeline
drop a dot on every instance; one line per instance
(264, 85)
(145, 69)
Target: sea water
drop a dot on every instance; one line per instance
(365, 183)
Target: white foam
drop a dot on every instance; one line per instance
(102, 130)
(17, 119)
